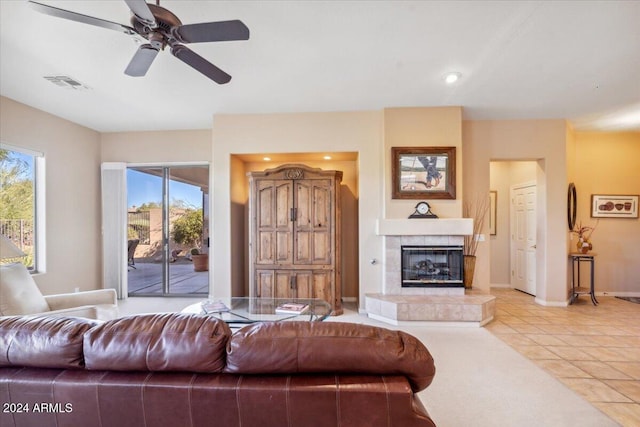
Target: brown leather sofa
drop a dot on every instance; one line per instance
(191, 370)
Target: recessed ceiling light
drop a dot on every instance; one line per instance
(266, 159)
(451, 78)
(327, 157)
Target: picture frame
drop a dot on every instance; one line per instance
(493, 202)
(423, 172)
(614, 206)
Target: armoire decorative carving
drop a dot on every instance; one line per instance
(294, 237)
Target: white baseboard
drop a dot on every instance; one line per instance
(552, 303)
(500, 285)
(618, 294)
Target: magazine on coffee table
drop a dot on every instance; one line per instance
(292, 308)
(214, 307)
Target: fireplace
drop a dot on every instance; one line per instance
(419, 286)
(430, 233)
(432, 266)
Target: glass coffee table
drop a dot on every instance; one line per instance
(245, 310)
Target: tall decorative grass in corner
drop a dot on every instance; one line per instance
(475, 209)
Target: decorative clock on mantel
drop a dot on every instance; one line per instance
(423, 210)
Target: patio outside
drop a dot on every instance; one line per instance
(146, 278)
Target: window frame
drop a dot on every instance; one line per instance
(39, 206)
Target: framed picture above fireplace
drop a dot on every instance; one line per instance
(423, 172)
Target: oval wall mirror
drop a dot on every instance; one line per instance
(571, 206)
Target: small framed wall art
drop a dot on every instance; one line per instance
(614, 206)
(423, 172)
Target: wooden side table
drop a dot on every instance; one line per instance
(576, 289)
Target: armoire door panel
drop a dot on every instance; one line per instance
(321, 204)
(264, 249)
(283, 204)
(302, 247)
(321, 247)
(322, 285)
(265, 201)
(313, 203)
(303, 284)
(303, 202)
(274, 228)
(284, 284)
(264, 283)
(302, 226)
(283, 246)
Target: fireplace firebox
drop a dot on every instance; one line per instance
(432, 266)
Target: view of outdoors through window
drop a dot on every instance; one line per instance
(17, 201)
(167, 230)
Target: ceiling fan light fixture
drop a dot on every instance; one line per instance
(452, 77)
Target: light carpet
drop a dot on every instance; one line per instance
(480, 380)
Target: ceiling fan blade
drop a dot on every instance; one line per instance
(211, 32)
(141, 61)
(78, 17)
(142, 11)
(196, 61)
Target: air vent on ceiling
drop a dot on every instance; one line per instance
(66, 82)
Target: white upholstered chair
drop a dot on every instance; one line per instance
(19, 295)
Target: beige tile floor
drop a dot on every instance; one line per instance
(593, 350)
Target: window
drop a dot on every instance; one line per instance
(22, 202)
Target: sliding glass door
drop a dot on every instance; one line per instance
(167, 230)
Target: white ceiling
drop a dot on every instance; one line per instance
(578, 60)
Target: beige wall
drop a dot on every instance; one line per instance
(542, 141)
(157, 147)
(609, 163)
(239, 244)
(72, 156)
(359, 132)
(423, 127)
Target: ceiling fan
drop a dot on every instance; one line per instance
(162, 28)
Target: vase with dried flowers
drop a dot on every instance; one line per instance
(477, 210)
(584, 233)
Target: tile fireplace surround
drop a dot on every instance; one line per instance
(397, 304)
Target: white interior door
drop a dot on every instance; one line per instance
(523, 238)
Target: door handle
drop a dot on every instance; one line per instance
(534, 247)
(293, 213)
(292, 282)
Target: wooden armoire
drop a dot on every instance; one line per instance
(294, 237)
